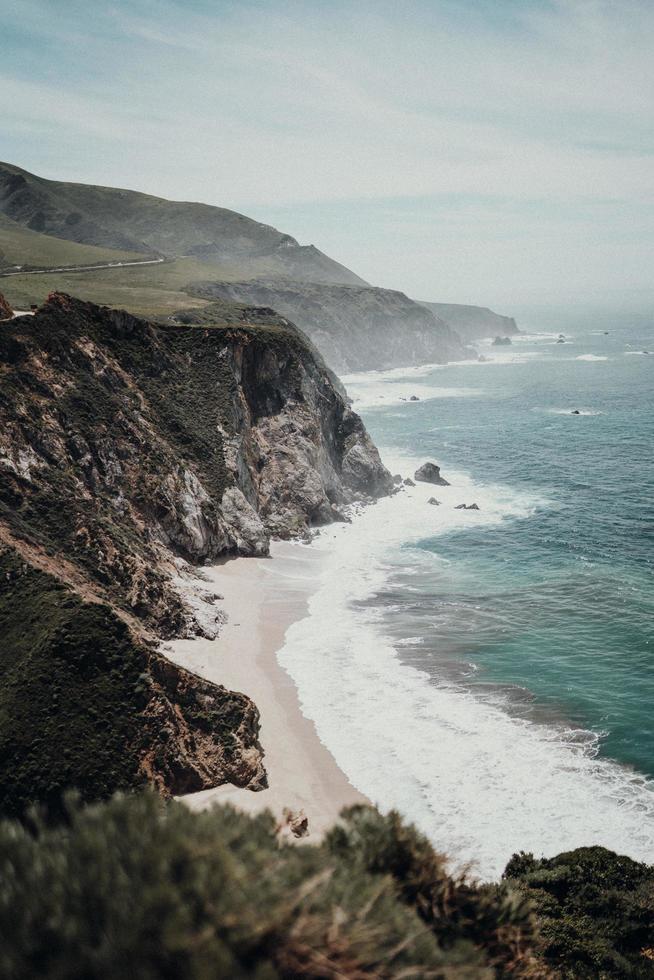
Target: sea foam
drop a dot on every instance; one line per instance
(480, 782)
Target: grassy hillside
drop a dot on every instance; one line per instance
(148, 290)
(110, 217)
(24, 247)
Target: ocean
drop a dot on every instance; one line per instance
(490, 673)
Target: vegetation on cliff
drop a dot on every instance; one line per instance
(84, 704)
(142, 429)
(129, 450)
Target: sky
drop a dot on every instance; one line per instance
(498, 152)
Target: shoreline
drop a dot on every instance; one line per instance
(263, 597)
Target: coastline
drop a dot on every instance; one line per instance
(263, 597)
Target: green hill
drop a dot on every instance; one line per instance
(110, 217)
(20, 246)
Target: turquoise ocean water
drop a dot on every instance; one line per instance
(490, 673)
(558, 606)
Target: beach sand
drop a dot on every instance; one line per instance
(262, 598)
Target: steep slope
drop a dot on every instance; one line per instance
(27, 249)
(354, 327)
(474, 322)
(86, 704)
(128, 450)
(121, 219)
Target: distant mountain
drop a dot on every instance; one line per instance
(474, 322)
(356, 328)
(109, 217)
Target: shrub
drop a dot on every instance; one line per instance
(142, 889)
(596, 911)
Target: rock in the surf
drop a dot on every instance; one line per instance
(430, 473)
(467, 507)
(432, 500)
(408, 482)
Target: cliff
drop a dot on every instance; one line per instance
(356, 328)
(128, 449)
(474, 322)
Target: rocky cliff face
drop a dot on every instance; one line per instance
(6, 311)
(474, 322)
(356, 328)
(128, 450)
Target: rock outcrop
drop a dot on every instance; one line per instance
(430, 473)
(356, 328)
(129, 451)
(6, 312)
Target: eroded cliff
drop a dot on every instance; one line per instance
(129, 450)
(356, 328)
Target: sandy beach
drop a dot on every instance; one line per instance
(262, 598)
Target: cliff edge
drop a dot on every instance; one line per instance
(130, 451)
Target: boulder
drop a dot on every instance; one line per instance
(575, 412)
(502, 342)
(430, 473)
(432, 500)
(467, 507)
(408, 482)
(414, 398)
(397, 479)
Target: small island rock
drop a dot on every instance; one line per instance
(430, 473)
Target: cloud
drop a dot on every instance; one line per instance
(290, 107)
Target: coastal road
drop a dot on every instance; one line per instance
(80, 268)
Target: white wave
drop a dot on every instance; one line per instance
(479, 782)
(591, 357)
(637, 353)
(568, 411)
(374, 393)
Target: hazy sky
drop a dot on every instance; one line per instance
(490, 151)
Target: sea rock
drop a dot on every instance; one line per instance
(397, 479)
(430, 473)
(575, 412)
(414, 398)
(467, 507)
(6, 312)
(502, 342)
(408, 482)
(432, 500)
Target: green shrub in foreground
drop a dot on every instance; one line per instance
(135, 888)
(140, 889)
